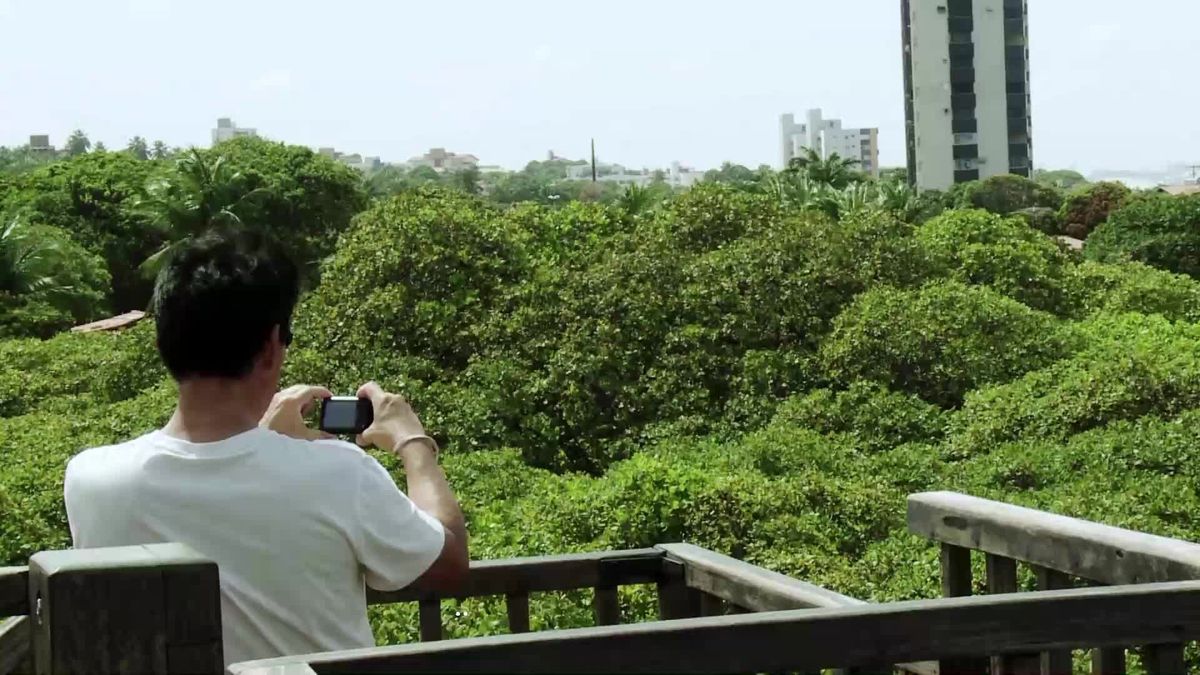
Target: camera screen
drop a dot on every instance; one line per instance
(340, 414)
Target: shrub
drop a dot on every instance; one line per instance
(1160, 230)
(1133, 287)
(877, 419)
(1008, 194)
(939, 342)
(1129, 366)
(1087, 207)
(1042, 219)
(981, 248)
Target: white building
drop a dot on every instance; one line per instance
(226, 130)
(439, 160)
(354, 160)
(677, 175)
(827, 137)
(966, 77)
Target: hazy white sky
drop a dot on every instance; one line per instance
(1114, 82)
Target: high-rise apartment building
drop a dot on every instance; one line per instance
(226, 130)
(966, 80)
(827, 137)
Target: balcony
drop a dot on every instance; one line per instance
(1099, 588)
(964, 125)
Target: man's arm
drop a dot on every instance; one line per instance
(397, 428)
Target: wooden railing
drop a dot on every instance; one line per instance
(1061, 552)
(157, 609)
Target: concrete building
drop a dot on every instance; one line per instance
(40, 143)
(353, 160)
(676, 176)
(439, 160)
(226, 130)
(966, 80)
(827, 137)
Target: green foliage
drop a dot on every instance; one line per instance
(1133, 287)
(834, 171)
(977, 247)
(1160, 230)
(1042, 219)
(939, 342)
(1087, 207)
(1062, 179)
(1007, 194)
(875, 418)
(47, 282)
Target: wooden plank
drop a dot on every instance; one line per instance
(607, 606)
(14, 591)
(808, 640)
(251, 668)
(1002, 578)
(957, 583)
(711, 605)
(1108, 661)
(749, 588)
(1059, 661)
(517, 605)
(109, 610)
(676, 600)
(1164, 659)
(1078, 547)
(546, 573)
(14, 643)
(430, 618)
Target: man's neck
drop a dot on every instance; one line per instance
(213, 409)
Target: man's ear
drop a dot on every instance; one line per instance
(272, 351)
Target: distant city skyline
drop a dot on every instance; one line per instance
(652, 82)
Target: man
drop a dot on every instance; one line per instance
(295, 520)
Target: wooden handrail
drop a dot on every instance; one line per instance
(544, 573)
(802, 640)
(1102, 553)
(14, 591)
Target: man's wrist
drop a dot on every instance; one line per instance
(415, 443)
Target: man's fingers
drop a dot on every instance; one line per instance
(308, 392)
(372, 391)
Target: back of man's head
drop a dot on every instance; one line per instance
(217, 301)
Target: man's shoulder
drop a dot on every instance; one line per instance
(108, 456)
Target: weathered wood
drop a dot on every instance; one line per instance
(1108, 661)
(14, 591)
(749, 586)
(807, 640)
(711, 605)
(607, 606)
(1059, 661)
(1164, 659)
(429, 612)
(143, 609)
(1100, 552)
(517, 606)
(957, 583)
(545, 573)
(14, 644)
(1002, 578)
(293, 668)
(676, 600)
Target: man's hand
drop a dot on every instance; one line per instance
(288, 409)
(394, 422)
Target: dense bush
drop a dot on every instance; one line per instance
(977, 247)
(72, 285)
(939, 342)
(1159, 230)
(1007, 194)
(1087, 207)
(1133, 287)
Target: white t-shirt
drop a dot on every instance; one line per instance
(295, 527)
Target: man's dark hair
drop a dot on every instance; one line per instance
(216, 301)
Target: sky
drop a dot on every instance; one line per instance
(1114, 82)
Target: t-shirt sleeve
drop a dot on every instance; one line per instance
(395, 541)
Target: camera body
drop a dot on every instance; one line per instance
(346, 415)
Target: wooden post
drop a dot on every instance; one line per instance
(1163, 659)
(1002, 578)
(675, 599)
(607, 606)
(1057, 662)
(956, 582)
(518, 612)
(430, 618)
(711, 605)
(1108, 661)
(132, 609)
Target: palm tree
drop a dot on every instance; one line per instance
(138, 148)
(160, 150)
(834, 170)
(199, 195)
(25, 261)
